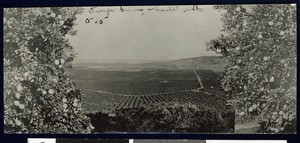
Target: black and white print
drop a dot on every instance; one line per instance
(150, 69)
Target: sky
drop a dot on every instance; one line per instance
(148, 35)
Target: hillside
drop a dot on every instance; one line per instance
(215, 63)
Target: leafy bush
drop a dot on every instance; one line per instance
(260, 43)
(173, 117)
(39, 94)
(102, 122)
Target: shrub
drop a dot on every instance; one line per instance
(101, 122)
(173, 117)
(39, 94)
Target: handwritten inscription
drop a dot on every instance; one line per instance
(194, 8)
(99, 14)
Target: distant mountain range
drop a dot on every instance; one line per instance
(214, 63)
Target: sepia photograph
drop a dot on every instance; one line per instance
(172, 69)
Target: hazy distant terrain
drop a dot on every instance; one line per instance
(214, 63)
(196, 63)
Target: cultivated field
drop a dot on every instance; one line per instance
(108, 91)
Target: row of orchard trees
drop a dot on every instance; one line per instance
(260, 43)
(39, 94)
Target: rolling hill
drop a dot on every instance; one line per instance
(215, 63)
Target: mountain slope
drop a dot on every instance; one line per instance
(196, 63)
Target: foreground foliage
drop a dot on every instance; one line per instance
(166, 117)
(260, 43)
(39, 94)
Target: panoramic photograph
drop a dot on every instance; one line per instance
(150, 69)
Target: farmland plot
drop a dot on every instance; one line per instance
(109, 91)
